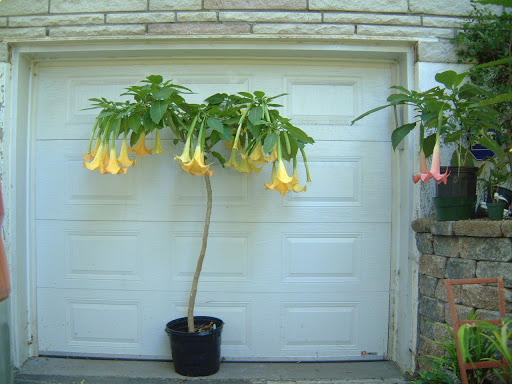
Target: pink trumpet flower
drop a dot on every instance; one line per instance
(424, 174)
(435, 168)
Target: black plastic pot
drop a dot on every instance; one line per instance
(456, 199)
(195, 353)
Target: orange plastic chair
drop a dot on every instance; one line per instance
(464, 367)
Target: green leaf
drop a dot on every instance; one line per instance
(255, 115)
(216, 125)
(219, 157)
(158, 110)
(370, 112)
(104, 114)
(134, 137)
(398, 98)
(259, 94)
(254, 129)
(246, 94)
(163, 93)
(495, 100)
(275, 97)
(490, 143)
(134, 123)
(400, 88)
(450, 78)
(154, 79)
(400, 133)
(270, 142)
(299, 134)
(494, 63)
(216, 99)
(148, 122)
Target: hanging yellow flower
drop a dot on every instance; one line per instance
(113, 164)
(232, 163)
(185, 155)
(196, 166)
(257, 156)
(273, 156)
(140, 148)
(98, 162)
(124, 159)
(280, 182)
(91, 155)
(296, 185)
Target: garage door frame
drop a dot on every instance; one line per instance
(19, 176)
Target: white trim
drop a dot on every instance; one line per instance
(404, 285)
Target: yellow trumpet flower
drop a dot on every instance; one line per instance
(124, 159)
(196, 166)
(140, 148)
(158, 144)
(91, 155)
(232, 163)
(113, 164)
(98, 161)
(296, 185)
(273, 156)
(185, 155)
(257, 156)
(280, 181)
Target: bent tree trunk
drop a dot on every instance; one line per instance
(199, 266)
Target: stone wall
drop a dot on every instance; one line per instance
(457, 250)
(431, 23)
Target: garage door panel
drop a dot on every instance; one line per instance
(134, 326)
(351, 177)
(162, 256)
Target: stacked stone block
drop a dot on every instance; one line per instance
(459, 250)
(431, 23)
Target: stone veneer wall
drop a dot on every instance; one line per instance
(457, 250)
(431, 23)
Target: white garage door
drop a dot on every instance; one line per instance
(304, 277)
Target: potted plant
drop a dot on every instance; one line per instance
(248, 123)
(455, 112)
(497, 197)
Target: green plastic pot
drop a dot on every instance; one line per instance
(496, 210)
(454, 208)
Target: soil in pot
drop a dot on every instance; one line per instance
(195, 353)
